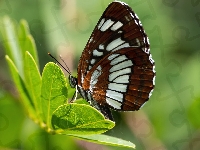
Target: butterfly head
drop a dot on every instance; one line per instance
(72, 81)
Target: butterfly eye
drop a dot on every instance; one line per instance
(72, 81)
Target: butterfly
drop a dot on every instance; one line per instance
(116, 70)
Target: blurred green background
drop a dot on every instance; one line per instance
(171, 118)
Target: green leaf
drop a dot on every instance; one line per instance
(23, 31)
(81, 101)
(80, 119)
(33, 82)
(11, 44)
(105, 139)
(53, 91)
(26, 41)
(19, 83)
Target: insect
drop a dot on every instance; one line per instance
(116, 69)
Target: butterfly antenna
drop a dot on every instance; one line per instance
(60, 63)
(65, 65)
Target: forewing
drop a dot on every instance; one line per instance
(119, 27)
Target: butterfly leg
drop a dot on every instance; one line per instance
(105, 111)
(74, 96)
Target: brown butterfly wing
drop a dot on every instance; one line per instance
(123, 80)
(118, 22)
(116, 67)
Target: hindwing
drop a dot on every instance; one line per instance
(123, 80)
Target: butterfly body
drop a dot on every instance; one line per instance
(116, 69)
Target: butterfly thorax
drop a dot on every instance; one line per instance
(72, 81)
(86, 94)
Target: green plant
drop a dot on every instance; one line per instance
(45, 98)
